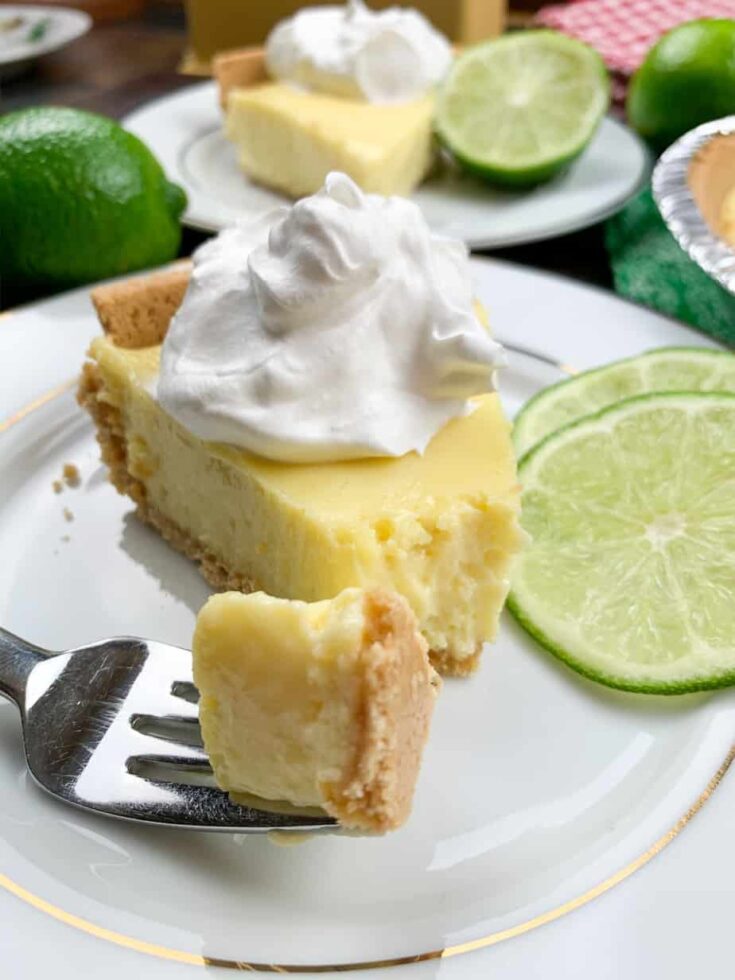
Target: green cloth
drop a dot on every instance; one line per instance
(650, 268)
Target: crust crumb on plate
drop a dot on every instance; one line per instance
(72, 476)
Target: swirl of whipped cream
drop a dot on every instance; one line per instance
(341, 328)
(392, 55)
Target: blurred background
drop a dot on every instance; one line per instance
(138, 45)
(138, 50)
(127, 53)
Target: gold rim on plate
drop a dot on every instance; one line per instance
(440, 953)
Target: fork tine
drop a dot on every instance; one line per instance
(170, 728)
(144, 743)
(195, 806)
(186, 691)
(188, 801)
(181, 764)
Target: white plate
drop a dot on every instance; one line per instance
(185, 132)
(62, 26)
(539, 791)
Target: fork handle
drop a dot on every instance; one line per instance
(17, 660)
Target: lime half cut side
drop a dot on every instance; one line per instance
(630, 576)
(663, 369)
(517, 109)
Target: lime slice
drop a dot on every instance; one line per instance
(630, 576)
(518, 109)
(664, 369)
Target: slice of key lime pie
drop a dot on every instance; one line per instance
(337, 88)
(326, 704)
(321, 414)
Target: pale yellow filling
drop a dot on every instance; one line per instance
(442, 528)
(291, 139)
(280, 734)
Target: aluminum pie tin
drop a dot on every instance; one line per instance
(690, 182)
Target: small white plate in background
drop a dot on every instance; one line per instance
(28, 31)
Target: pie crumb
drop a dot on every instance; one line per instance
(68, 516)
(58, 486)
(71, 474)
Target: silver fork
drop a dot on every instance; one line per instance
(113, 727)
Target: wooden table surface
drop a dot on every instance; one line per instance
(119, 66)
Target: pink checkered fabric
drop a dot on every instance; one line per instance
(623, 30)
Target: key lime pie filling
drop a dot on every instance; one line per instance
(339, 87)
(321, 414)
(324, 705)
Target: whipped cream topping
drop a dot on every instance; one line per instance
(338, 328)
(385, 56)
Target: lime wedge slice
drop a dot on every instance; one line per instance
(664, 369)
(630, 576)
(516, 110)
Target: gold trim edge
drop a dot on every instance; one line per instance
(39, 402)
(484, 942)
(446, 952)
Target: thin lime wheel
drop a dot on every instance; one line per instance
(663, 369)
(630, 575)
(518, 109)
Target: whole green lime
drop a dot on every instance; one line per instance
(687, 78)
(81, 199)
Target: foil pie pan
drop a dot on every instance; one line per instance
(690, 183)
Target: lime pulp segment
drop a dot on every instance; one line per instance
(630, 576)
(520, 107)
(663, 369)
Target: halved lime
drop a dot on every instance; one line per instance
(630, 576)
(519, 108)
(663, 369)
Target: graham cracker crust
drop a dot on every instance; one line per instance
(136, 312)
(111, 439)
(450, 666)
(400, 688)
(241, 68)
(113, 449)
